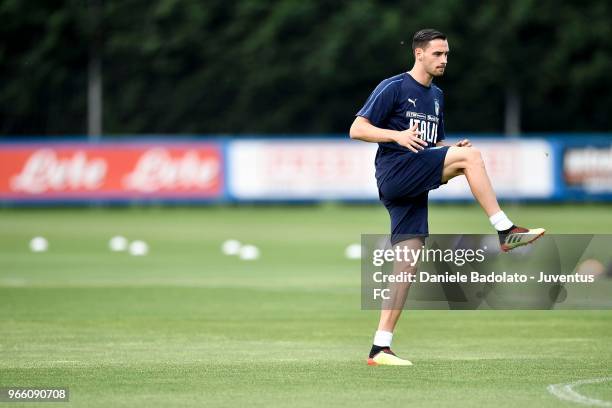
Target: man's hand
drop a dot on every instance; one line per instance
(464, 143)
(410, 139)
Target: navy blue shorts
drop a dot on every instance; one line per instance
(404, 180)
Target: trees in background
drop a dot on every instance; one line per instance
(288, 66)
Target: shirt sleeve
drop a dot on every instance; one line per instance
(380, 104)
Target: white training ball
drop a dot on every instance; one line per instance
(39, 244)
(591, 267)
(138, 248)
(231, 247)
(353, 251)
(118, 243)
(249, 252)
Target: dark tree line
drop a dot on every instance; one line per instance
(291, 66)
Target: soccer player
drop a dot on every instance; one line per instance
(405, 116)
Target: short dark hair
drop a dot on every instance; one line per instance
(423, 37)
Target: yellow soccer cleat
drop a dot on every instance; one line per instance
(387, 357)
(519, 236)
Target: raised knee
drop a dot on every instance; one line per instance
(473, 156)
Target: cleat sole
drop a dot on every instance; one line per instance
(507, 248)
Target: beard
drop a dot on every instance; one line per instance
(436, 72)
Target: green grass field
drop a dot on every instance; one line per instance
(187, 326)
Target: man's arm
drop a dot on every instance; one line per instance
(461, 143)
(362, 129)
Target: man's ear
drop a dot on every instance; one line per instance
(418, 54)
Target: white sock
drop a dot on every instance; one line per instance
(500, 221)
(383, 338)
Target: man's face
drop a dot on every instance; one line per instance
(433, 57)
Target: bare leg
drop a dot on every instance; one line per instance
(392, 308)
(468, 161)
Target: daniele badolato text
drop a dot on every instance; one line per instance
(409, 257)
(477, 277)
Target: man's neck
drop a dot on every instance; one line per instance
(421, 76)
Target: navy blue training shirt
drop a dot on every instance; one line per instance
(399, 102)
